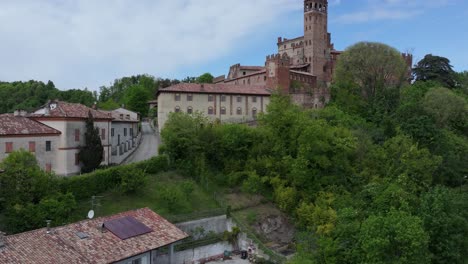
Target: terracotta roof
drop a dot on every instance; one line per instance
(252, 68)
(70, 110)
(218, 88)
(63, 245)
(119, 116)
(303, 73)
(247, 75)
(20, 125)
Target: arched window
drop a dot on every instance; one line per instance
(254, 112)
(239, 111)
(210, 110)
(189, 110)
(177, 109)
(223, 110)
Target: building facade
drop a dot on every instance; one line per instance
(19, 132)
(70, 120)
(223, 102)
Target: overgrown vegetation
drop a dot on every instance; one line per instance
(378, 176)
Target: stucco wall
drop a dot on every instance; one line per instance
(200, 103)
(43, 157)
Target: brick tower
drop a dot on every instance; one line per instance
(317, 39)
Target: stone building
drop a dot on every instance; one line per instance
(224, 102)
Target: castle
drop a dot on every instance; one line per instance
(303, 68)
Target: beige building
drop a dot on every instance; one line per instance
(19, 132)
(70, 119)
(224, 102)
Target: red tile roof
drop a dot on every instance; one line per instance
(64, 246)
(218, 88)
(20, 125)
(69, 110)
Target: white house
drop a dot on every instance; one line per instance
(69, 119)
(19, 132)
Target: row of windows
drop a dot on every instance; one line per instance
(32, 146)
(211, 110)
(223, 97)
(125, 132)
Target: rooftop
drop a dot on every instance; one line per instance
(84, 242)
(218, 88)
(68, 110)
(118, 116)
(20, 125)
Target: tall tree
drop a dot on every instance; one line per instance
(91, 154)
(205, 78)
(435, 68)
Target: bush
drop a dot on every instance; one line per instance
(131, 179)
(154, 165)
(174, 199)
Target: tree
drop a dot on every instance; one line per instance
(435, 68)
(91, 154)
(23, 181)
(137, 98)
(373, 67)
(205, 78)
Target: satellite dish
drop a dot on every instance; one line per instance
(91, 214)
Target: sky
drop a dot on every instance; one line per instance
(87, 43)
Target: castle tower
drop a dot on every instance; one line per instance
(277, 72)
(317, 39)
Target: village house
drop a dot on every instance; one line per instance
(130, 237)
(223, 102)
(69, 119)
(124, 135)
(19, 132)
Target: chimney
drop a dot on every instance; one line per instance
(2, 239)
(48, 226)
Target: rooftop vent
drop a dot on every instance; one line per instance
(82, 235)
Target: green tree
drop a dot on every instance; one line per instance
(205, 78)
(370, 71)
(91, 154)
(23, 181)
(435, 68)
(396, 237)
(137, 98)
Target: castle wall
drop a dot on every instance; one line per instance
(294, 48)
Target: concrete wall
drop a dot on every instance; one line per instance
(200, 103)
(217, 224)
(123, 142)
(43, 157)
(195, 254)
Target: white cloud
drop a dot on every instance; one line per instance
(390, 10)
(81, 43)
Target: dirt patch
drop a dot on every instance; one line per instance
(239, 201)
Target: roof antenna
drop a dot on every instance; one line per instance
(95, 203)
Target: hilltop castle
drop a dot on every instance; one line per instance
(303, 68)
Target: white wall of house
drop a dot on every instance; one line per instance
(124, 139)
(43, 156)
(132, 115)
(225, 106)
(68, 147)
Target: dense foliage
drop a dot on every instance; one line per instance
(91, 153)
(383, 184)
(33, 94)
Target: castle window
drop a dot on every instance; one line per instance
(210, 110)
(244, 73)
(305, 59)
(254, 99)
(177, 97)
(239, 111)
(264, 78)
(177, 110)
(223, 98)
(248, 81)
(189, 97)
(239, 99)
(223, 110)
(210, 98)
(189, 110)
(310, 59)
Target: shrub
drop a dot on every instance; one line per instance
(131, 179)
(154, 165)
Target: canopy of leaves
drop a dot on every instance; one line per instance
(435, 68)
(205, 78)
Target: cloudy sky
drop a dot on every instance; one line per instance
(89, 43)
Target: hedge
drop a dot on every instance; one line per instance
(86, 185)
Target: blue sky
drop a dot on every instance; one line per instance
(88, 43)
